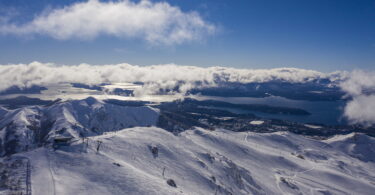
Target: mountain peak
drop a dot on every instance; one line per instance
(91, 101)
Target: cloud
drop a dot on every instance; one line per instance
(360, 86)
(156, 23)
(358, 82)
(156, 77)
(361, 110)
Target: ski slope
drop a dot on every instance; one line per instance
(140, 160)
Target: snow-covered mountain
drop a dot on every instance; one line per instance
(29, 127)
(92, 147)
(150, 160)
(356, 145)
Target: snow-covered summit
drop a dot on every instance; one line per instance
(85, 117)
(27, 127)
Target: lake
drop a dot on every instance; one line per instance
(322, 112)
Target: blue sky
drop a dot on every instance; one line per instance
(323, 35)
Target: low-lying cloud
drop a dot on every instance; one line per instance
(154, 22)
(156, 77)
(360, 86)
(361, 109)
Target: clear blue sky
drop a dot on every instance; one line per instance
(324, 35)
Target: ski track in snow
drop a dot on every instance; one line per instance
(42, 180)
(28, 177)
(50, 169)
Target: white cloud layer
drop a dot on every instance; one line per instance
(358, 82)
(361, 110)
(360, 86)
(156, 77)
(157, 23)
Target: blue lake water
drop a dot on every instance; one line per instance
(322, 112)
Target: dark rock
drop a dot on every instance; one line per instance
(171, 183)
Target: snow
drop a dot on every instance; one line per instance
(3, 111)
(256, 122)
(313, 126)
(128, 86)
(42, 176)
(16, 129)
(356, 145)
(24, 128)
(122, 152)
(202, 162)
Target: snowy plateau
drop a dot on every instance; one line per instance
(92, 147)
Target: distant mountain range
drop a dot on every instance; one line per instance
(314, 90)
